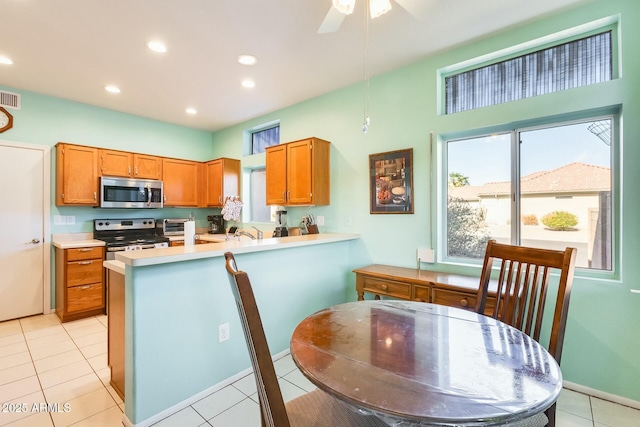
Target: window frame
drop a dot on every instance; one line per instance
(514, 129)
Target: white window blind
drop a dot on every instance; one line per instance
(577, 63)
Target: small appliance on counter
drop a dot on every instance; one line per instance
(216, 224)
(171, 226)
(281, 224)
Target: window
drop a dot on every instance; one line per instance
(261, 139)
(576, 63)
(548, 187)
(260, 212)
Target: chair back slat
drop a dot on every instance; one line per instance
(522, 289)
(269, 394)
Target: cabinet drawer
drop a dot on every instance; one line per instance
(84, 272)
(454, 299)
(387, 287)
(85, 297)
(78, 254)
(421, 293)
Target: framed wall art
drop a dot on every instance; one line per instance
(391, 182)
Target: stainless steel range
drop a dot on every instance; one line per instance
(128, 235)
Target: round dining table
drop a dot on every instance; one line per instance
(419, 363)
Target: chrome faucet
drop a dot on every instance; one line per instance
(260, 235)
(244, 233)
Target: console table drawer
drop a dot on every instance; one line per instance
(387, 288)
(454, 299)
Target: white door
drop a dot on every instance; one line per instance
(21, 246)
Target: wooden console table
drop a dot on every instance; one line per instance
(448, 289)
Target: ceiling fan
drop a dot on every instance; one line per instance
(341, 8)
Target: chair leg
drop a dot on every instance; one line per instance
(551, 415)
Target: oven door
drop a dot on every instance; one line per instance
(130, 193)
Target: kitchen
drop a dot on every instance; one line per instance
(603, 314)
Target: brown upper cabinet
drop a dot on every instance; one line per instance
(180, 182)
(186, 183)
(76, 175)
(298, 173)
(147, 167)
(129, 165)
(222, 178)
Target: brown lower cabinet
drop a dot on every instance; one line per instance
(453, 290)
(79, 282)
(115, 352)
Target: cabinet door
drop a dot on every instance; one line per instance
(147, 167)
(115, 163)
(180, 181)
(76, 175)
(276, 177)
(222, 179)
(214, 183)
(299, 172)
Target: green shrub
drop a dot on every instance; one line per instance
(560, 220)
(530, 219)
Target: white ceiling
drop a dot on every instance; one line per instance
(71, 49)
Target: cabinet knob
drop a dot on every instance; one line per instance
(384, 287)
(129, 170)
(464, 302)
(136, 171)
(95, 196)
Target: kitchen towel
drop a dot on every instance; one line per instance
(189, 233)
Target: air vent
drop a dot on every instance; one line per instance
(10, 99)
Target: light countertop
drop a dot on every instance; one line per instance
(75, 240)
(237, 246)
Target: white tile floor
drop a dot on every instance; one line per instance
(43, 361)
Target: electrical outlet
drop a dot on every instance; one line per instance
(425, 255)
(347, 221)
(223, 332)
(320, 220)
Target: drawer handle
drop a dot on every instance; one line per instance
(464, 302)
(85, 250)
(384, 287)
(85, 287)
(85, 262)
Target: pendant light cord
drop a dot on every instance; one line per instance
(365, 125)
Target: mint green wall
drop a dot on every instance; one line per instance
(601, 344)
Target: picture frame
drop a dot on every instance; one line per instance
(391, 182)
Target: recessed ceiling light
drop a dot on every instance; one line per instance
(157, 46)
(5, 60)
(191, 111)
(247, 59)
(112, 89)
(248, 83)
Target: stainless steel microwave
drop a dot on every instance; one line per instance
(130, 193)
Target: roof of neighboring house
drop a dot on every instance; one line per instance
(574, 177)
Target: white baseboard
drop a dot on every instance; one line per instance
(187, 402)
(602, 395)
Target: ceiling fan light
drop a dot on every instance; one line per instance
(344, 6)
(379, 7)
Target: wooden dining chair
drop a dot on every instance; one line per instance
(523, 285)
(316, 408)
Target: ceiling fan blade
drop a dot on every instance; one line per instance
(331, 22)
(417, 8)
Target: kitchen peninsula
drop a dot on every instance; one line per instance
(177, 297)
